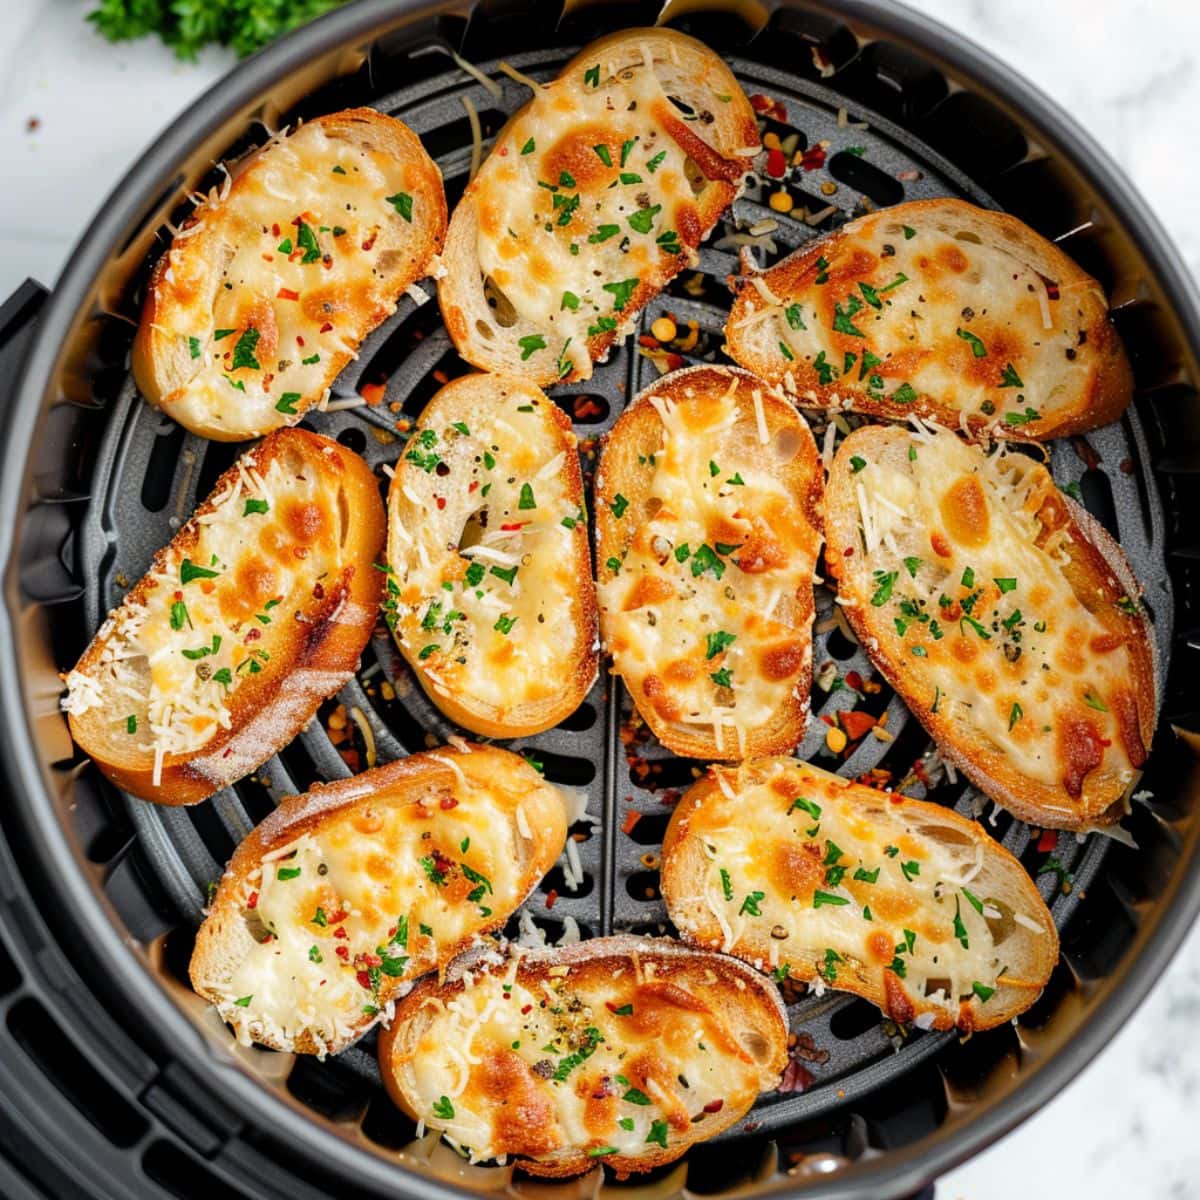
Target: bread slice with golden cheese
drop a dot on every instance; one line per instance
(490, 593)
(622, 1050)
(343, 897)
(708, 526)
(939, 309)
(272, 283)
(815, 878)
(594, 196)
(1003, 614)
(255, 612)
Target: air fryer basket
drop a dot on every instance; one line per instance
(147, 1080)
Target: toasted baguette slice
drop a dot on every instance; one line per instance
(1002, 613)
(815, 878)
(364, 885)
(594, 196)
(256, 611)
(272, 283)
(708, 526)
(940, 309)
(490, 592)
(543, 1055)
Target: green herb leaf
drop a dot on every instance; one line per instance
(243, 352)
(716, 642)
(530, 343)
(1010, 378)
(443, 1109)
(977, 347)
(402, 203)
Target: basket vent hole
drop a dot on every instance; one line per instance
(839, 646)
(353, 439)
(863, 176)
(184, 1176)
(559, 768)
(584, 717)
(853, 1020)
(650, 828)
(160, 470)
(556, 881)
(643, 885)
(57, 1057)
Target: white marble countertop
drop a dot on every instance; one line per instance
(76, 111)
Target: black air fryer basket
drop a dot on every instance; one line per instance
(116, 1080)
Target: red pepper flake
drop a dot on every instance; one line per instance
(511, 525)
(856, 724)
(252, 902)
(714, 1106)
(287, 294)
(299, 340)
(830, 721)
(340, 932)
(632, 817)
(1048, 841)
(527, 1008)
(585, 407)
(776, 164)
(372, 960)
(373, 393)
(813, 158)
(551, 897)
(674, 362)
(325, 328)
(775, 109)
(447, 803)
(342, 951)
(473, 486)
(441, 502)
(275, 229)
(651, 343)
(364, 980)
(854, 680)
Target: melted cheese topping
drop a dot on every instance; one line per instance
(486, 543)
(702, 615)
(808, 875)
(375, 897)
(276, 283)
(521, 1063)
(591, 193)
(171, 660)
(972, 591)
(898, 313)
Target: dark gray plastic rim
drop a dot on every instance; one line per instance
(897, 1174)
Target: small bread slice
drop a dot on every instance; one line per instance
(939, 309)
(272, 283)
(816, 878)
(622, 1050)
(343, 897)
(708, 527)
(490, 593)
(1002, 613)
(256, 611)
(594, 196)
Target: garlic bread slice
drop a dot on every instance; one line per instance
(621, 1050)
(255, 612)
(1004, 615)
(490, 593)
(815, 878)
(708, 527)
(594, 196)
(941, 310)
(344, 896)
(272, 283)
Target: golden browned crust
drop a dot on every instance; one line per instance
(684, 864)
(310, 659)
(748, 996)
(636, 436)
(398, 783)
(1099, 398)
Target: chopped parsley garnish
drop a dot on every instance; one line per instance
(179, 615)
(529, 147)
(443, 1109)
(219, 334)
(602, 325)
(977, 346)
(244, 1001)
(308, 243)
(705, 558)
(909, 232)
(504, 625)
(912, 565)
(526, 499)
(194, 346)
(131, 723)
(910, 870)
(843, 322)
(722, 678)
(726, 886)
(973, 901)
(243, 352)
(786, 351)
(592, 76)
(286, 873)
(603, 233)
(572, 1060)
(188, 571)
(315, 955)
(824, 369)
(427, 650)
(822, 270)
(653, 164)
(603, 155)
(862, 875)
(1015, 714)
(1016, 418)
(884, 582)
(1005, 584)
(750, 904)
(287, 403)
(960, 930)
(795, 317)
(905, 394)
(255, 506)
(870, 295)
(1010, 378)
(657, 1134)
(984, 992)
(809, 806)
(619, 505)
(635, 1095)
(613, 564)
(857, 464)
(531, 343)
(1094, 701)
(822, 898)
(402, 203)
(642, 221)
(621, 292)
(716, 642)
(569, 300)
